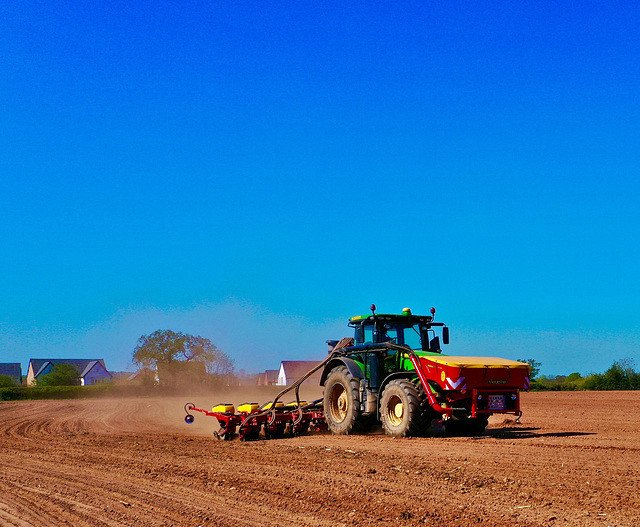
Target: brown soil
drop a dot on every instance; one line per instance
(573, 461)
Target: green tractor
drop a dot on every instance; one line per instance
(393, 372)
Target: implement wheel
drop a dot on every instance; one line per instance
(400, 409)
(342, 402)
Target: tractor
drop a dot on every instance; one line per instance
(392, 373)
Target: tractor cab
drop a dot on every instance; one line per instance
(416, 332)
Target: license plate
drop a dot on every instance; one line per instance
(497, 402)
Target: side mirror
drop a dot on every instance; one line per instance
(445, 335)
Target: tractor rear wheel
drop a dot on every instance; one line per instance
(427, 413)
(400, 409)
(342, 402)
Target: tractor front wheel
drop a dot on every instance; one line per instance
(400, 410)
(342, 402)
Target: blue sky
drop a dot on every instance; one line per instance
(256, 173)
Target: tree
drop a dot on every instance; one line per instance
(6, 381)
(60, 375)
(620, 376)
(534, 367)
(165, 347)
(573, 377)
(201, 349)
(160, 346)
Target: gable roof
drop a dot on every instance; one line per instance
(118, 375)
(84, 366)
(271, 375)
(294, 369)
(92, 366)
(12, 369)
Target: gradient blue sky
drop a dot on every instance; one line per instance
(257, 172)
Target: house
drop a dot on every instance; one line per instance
(268, 378)
(13, 370)
(92, 371)
(118, 376)
(144, 376)
(291, 370)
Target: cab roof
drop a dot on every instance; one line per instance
(403, 319)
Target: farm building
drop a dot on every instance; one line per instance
(268, 378)
(292, 370)
(13, 370)
(92, 371)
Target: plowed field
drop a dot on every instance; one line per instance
(573, 461)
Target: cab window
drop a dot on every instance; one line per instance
(386, 333)
(368, 334)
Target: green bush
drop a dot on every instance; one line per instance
(6, 381)
(23, 393)
(40, 392)
(60, 375)
(620, 376)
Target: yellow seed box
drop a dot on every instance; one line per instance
(268, 405)
(248, 407)
(223, 408)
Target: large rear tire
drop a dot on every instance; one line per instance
(427, 413)
(342, 402)
(400, 409)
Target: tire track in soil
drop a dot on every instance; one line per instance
(131, 462)
(150, 501)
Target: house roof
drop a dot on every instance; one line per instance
(294, 369)
(271, 375)
(140, 373)
(12, 369)
(117, 375)
(84, 366)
